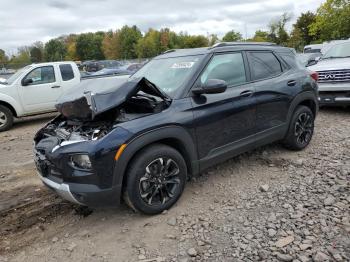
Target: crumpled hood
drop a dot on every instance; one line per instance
(331, 64)
(95, 96)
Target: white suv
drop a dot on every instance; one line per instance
(334, 75)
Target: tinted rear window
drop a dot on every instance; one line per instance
(66, 72)
(264, 65)
(290, 59)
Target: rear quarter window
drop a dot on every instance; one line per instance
(264, 65)
(66, 72)
(290, 59)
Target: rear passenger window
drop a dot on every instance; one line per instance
(227, 67)
(264, 65)
(66, 72)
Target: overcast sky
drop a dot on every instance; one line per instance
(24, 22)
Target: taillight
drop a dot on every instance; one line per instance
(314, 76)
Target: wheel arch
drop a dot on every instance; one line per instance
(308, 99)
(9, 106)
(173, 136)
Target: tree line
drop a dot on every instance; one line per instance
(329, 22)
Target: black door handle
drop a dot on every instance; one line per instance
(246, 93)
(292, 83)
(55, 86)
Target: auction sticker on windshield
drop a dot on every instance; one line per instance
(182, 65)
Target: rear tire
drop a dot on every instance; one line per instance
(301, 129)
(155, 180)
(6, 118)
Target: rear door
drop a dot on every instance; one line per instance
(45, 87)
(224, 121)
(272, 88)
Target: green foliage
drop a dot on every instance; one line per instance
(260, 36)
(278, 33)
(3, 58)
(150, 44)
(89, 46)
(232, 36)
(55, 50)
(21, 59)
(37, 52)
(332, 21)
(128, 38)
(302, 27)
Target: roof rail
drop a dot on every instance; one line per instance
(169, 51)
(223, 44)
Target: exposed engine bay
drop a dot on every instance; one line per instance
(73, 127)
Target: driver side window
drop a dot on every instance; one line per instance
(227, 67)
(41, 75)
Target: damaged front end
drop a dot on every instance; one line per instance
(70, 153)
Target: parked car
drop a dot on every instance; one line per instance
(308, 59)
(334, 75)
(111, 71)
(94, 66)
(313, 48)
(134, 67)
(141, 138)
(35, 89)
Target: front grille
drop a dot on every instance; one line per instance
(334, 76)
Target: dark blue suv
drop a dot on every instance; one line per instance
(140, 138)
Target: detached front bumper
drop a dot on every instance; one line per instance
(85, 194)
(61, 189)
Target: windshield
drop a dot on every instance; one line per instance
(338, 51)
(169, 74)
(12, 78)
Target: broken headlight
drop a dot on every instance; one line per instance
(81, 162)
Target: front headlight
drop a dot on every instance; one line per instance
(81, 161)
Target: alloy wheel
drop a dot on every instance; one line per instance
(303, 128)
(3, 119)
(161, 181)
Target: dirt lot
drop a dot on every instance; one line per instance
(270, 204)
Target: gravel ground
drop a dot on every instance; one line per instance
(267, 205)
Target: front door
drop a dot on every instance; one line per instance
(226, 121)
(41, 91)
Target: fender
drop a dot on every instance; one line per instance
(168, 132)
(299, 99)
(12, 102)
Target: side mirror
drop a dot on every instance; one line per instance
(27, 81)
(212, 86)
(311, 62)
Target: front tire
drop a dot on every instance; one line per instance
(6, 118)
(301, 129)
(155, 180)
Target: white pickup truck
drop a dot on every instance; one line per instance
(34, 89)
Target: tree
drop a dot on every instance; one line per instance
(260, 36)
(196, 41)
(110, 45)
(128, 38)
(89, 46)
(278, 33)
(55, 50)
(213, 39)
(302, 28)
(3, 58)
(332, 20)
(71, 45)
(150, 45)
(37, 52)
(232, 36)
(22, 58)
